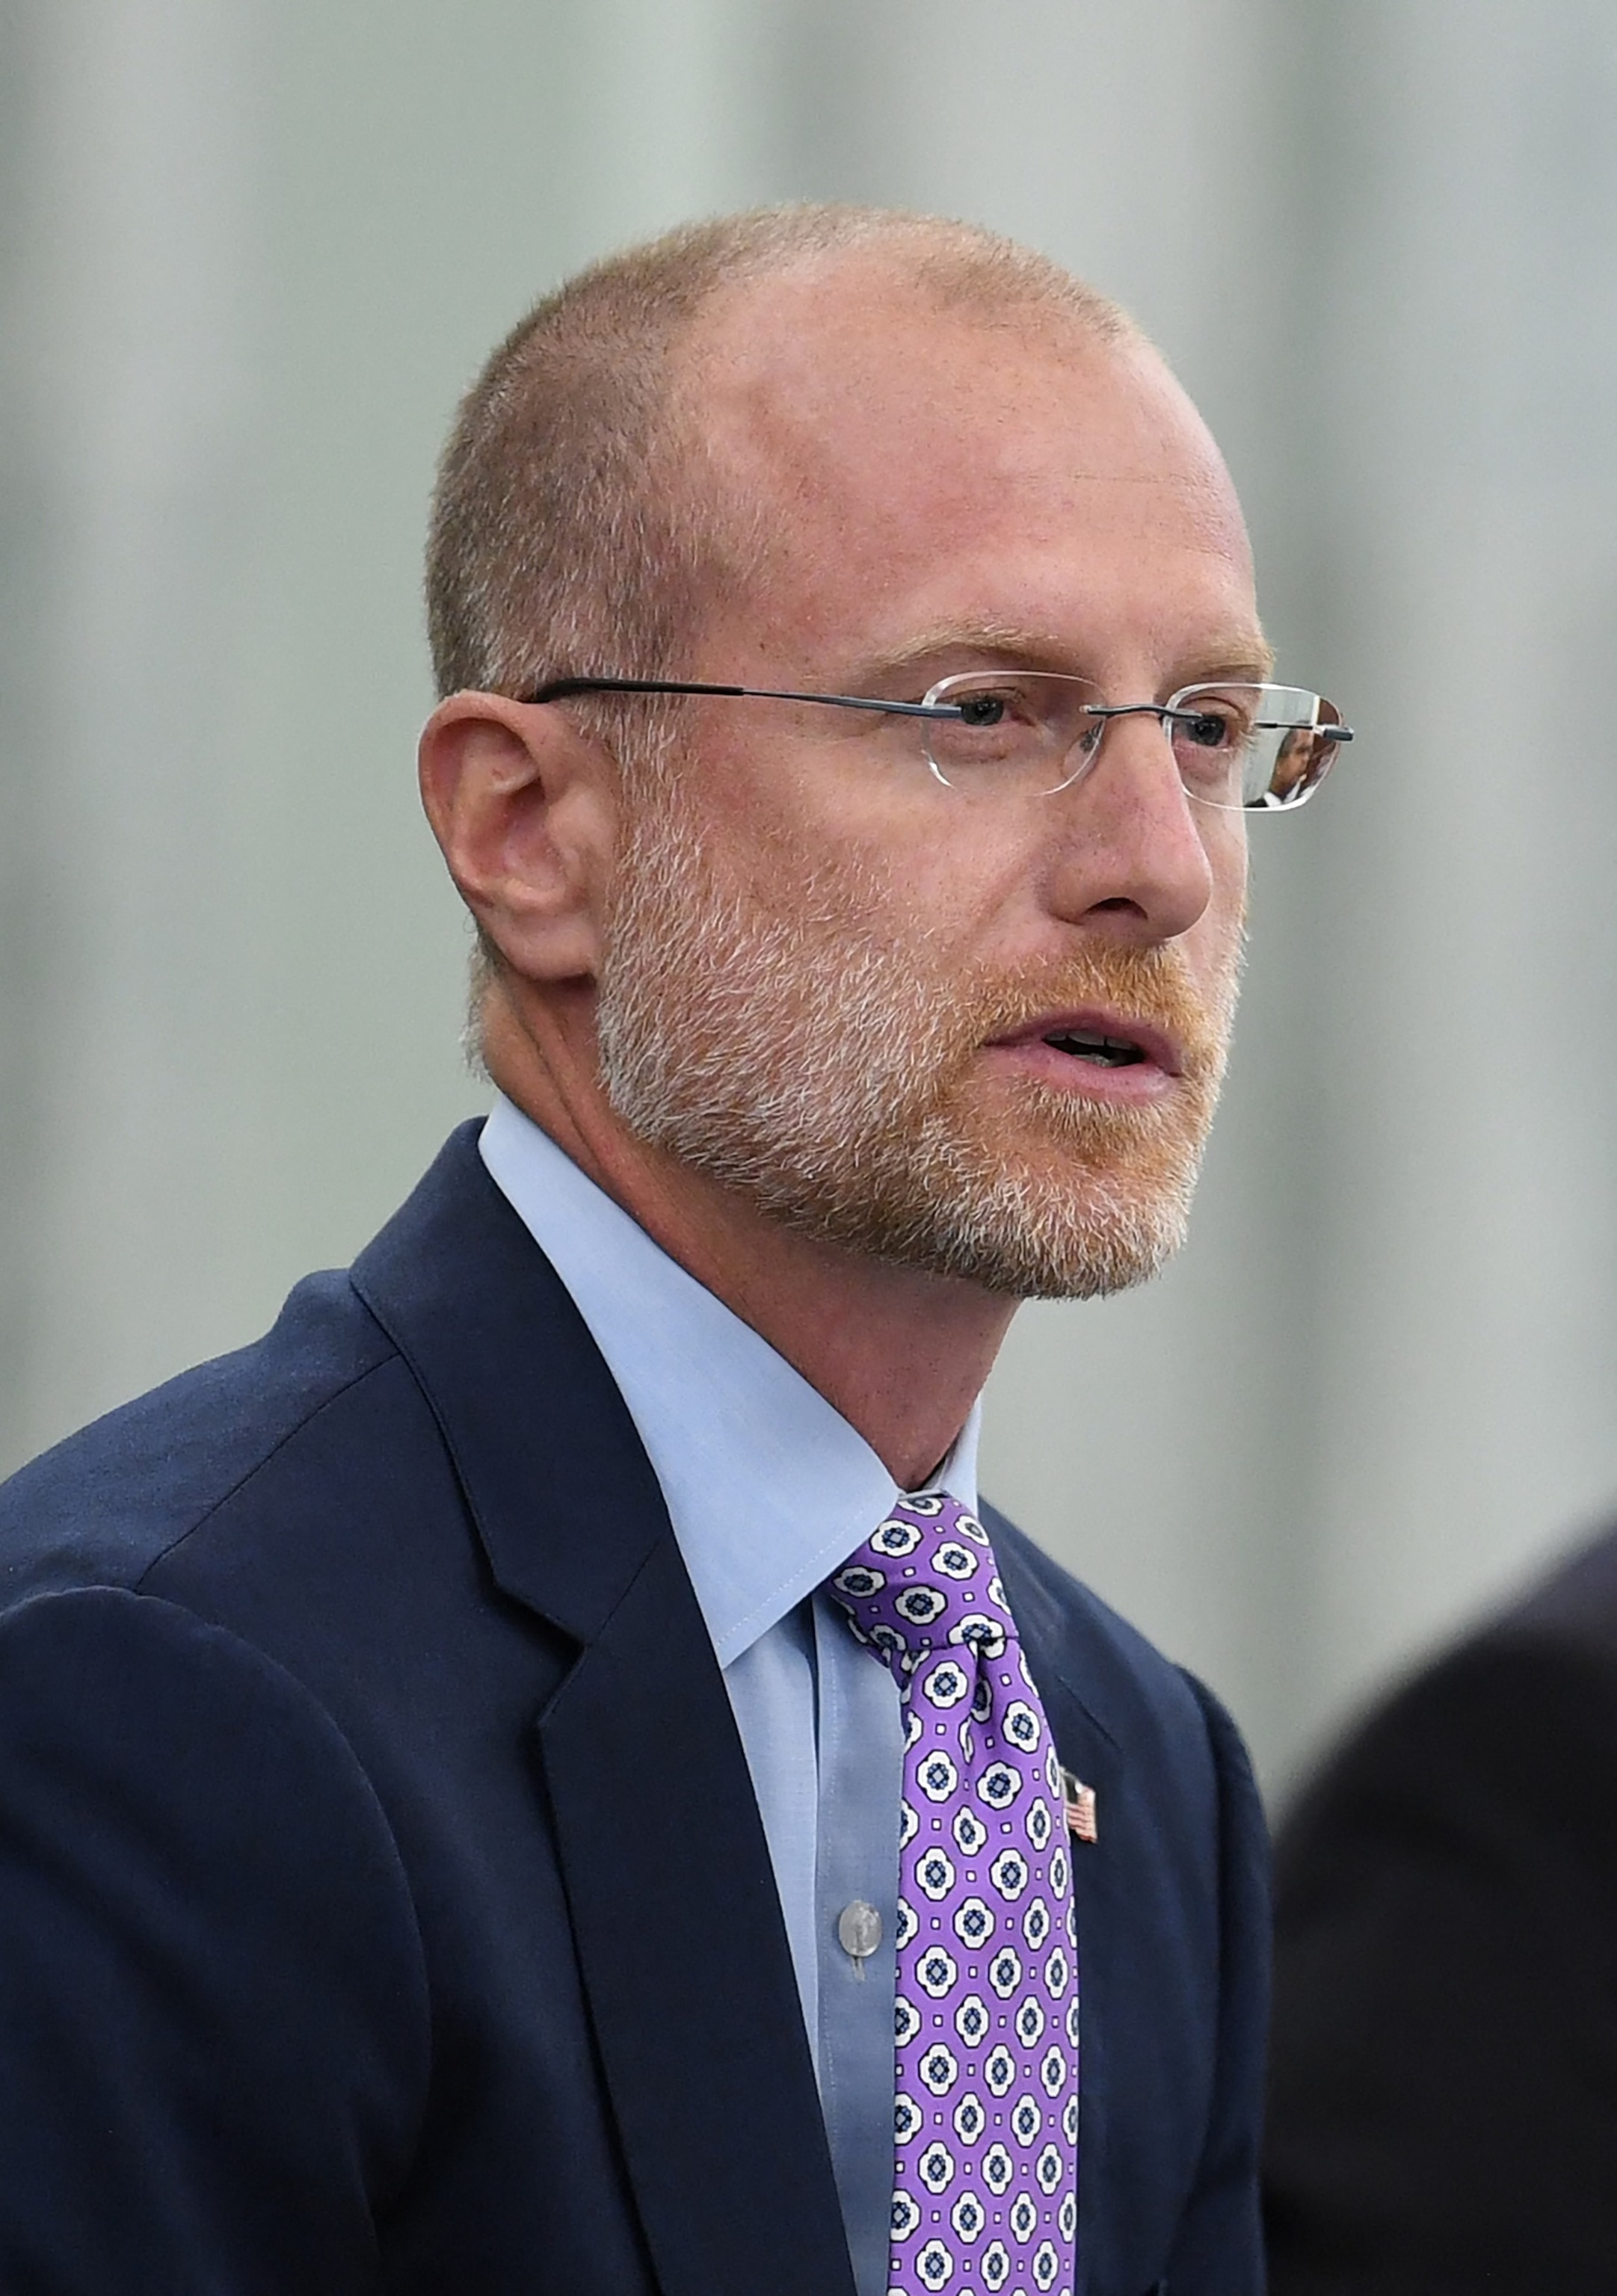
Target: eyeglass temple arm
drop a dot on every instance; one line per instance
(560, 688)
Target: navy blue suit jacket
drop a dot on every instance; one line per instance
(384, 1901)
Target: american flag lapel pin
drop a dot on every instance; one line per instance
(1080, 1802)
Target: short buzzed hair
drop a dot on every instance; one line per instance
(575, 527)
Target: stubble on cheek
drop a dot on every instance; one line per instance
(1036, 1191)
(786, 1039)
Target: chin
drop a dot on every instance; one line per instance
(1025, 1242)
(1048, 1223)
(1088, 1200)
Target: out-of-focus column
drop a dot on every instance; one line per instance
(129, 354)
(1466, 1350)
(258, 255)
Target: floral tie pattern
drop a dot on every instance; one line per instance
(986, 2115)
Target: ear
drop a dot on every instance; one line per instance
(525, 811)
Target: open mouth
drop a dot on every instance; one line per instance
(1098, 1039)
(1104, 1052)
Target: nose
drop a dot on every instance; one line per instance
(1134, 857)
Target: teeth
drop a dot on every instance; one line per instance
(1111, 1052)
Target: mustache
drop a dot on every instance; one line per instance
(1152, 987)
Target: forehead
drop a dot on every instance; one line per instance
(908, 463)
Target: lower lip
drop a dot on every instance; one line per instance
(1136, 1083)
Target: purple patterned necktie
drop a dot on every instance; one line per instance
(986, 2118)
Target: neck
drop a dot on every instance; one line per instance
(900, 1354)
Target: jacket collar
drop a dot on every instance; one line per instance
(519, 1391)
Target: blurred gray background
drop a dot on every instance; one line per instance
(251, 256)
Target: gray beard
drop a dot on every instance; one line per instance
(806, 1063)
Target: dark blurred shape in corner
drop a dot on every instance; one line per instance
(1443, 2102)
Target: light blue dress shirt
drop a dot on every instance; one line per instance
(768, 1491)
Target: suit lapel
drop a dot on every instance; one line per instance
(685, 1959)
(676, 1921)
(1099, 1900)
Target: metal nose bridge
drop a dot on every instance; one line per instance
(1101, 713)
(1160, 710)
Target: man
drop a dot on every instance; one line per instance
(1444, 2105)
(486, 1770)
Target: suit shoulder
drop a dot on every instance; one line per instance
(1445, 1908)
(1120, 1677)
(1495, 1749)
(103, 1506)
(1527, 1700)
(1578, 1598)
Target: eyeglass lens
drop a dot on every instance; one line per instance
(1235, 745)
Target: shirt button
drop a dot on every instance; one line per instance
(858, 1928)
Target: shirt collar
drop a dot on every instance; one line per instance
(768, 1486)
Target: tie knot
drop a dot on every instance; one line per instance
(925, 1577)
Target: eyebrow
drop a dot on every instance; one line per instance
(1241, 654)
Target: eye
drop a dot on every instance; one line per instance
(1021, 722)
(1208, 729)
(1005, 702)
(1008, 706)
(1212, 732)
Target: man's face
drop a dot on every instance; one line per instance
(871, 1003)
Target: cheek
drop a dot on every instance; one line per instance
(1226, 854)
(836, 842)
(1213, 943)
